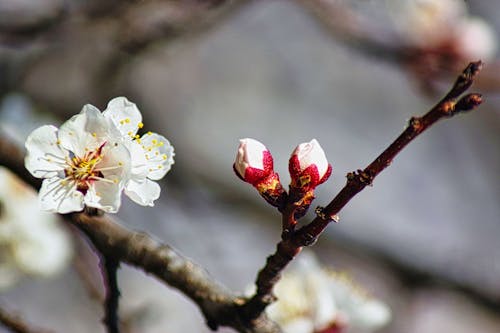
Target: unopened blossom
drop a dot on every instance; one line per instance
(308, 166)
(82, 163)
(31, 241)
(312, 299)
(253, 161)
(152, 155)
(254, 165)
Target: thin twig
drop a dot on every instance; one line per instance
(290, 246)
(16, 324)
(109, 268)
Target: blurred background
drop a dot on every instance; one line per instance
(424, 239)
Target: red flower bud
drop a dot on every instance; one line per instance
(254, 165)
(253, 161)
(308, 166)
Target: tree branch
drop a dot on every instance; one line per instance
(109, 269)
(16, 324)
(290, 246)
(220, 306)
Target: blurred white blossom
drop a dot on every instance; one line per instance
(431, 24)
(312, 299)
(31, 242)
(93, 156)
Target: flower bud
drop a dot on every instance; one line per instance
(308, 166)
(253, 161)
(254, 165)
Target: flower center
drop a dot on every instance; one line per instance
(83, 171)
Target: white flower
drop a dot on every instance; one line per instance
(152, 154)
(82, 163)
(94, 156)
(31, 242)
(312, 299)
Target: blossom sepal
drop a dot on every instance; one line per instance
(272, 191)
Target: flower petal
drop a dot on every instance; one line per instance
(139, 170)
(371, 314)
(84, 131)
(144, 193)
(116, 162)
(45, 157)
(125, 115)
(159, 154)
(60, 196)
(105, 195)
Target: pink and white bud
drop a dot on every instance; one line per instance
(308, 166)
(253, 162)
(254, 165)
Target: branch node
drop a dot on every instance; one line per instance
(416, 124)
(361, 176)
(320, 212)
(308, 239)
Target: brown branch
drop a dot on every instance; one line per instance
(109, 269)
(289, 247)
(16, 324)
(220, 306)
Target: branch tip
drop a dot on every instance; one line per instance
(465, 80)
(473, 68)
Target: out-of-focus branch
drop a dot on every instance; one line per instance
(109, 268)
(220, 306)
(290, 246)
(98, 40)
(347, 25)
(431, 65)
(16, 324)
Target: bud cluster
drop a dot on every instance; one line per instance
(308, 168)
